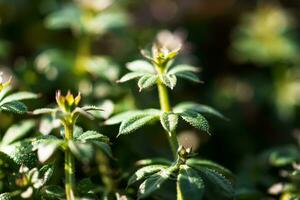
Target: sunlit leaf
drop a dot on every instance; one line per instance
(153, 183)
(145, 172)
(169, 121)
(17, 131)
(196, 120)
(141, 66)
(147, 81)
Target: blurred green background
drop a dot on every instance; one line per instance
(248, 52)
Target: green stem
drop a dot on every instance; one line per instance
(83, 53)
(165, 106)
(69, 165)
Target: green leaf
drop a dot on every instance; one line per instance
(44, 111)
(46, 146)
(88, 108)
(196, 163)
(118, 118)
(105, 21)
(92, 136)
(200, 108)
(196, 120)
(169, 80)
(131, 75)
(46, 172)
(190, 185)
(67, 17)
(18, 97)
(217, 183)
(141, 66)
(182, 68)
(17, 131)
(169, 121)
(285, 155)
(21, 152)
(82, 151)
(53, 192)
(6, 196)
(153, 183)
(189, 76)
(145, 172)
(152, 161)
(14, 107)
(135, 122)
(147, 81)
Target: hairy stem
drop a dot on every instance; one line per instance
(165, 106)
(69, 165)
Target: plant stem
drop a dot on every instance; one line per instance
(165, 106)
(69, 165)
(83, 53)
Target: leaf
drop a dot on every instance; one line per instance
(169, 80)
(21, 152)
(147, 81)
(200, 108)
(44, 111)
(88, 108)
(169, 121)
(190, 185)
(140, 66)
(46, 146)
(189, 76)
(196, 120)
(14, 107)
(46, 173)
(285, 155)
(151, 161)
(105, 21)
(46, 150)
(82, 151)
(67, 17)
(196, 163)
(53, 192)
(6, 196)
(217, 183)
(153, 183)
(92, 136)
(145, 172)
(135, 122)
(17, 131)
(18, 96)
(182, 68)
(131, 75)
(118, 118)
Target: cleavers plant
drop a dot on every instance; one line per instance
(195, 178)
(75, 142)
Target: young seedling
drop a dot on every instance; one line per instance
(192, 176)
(75, 142)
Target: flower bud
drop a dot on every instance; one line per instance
(67, 103)
(3, 85)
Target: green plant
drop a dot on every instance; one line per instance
(75, 142)
(286, 159)
(192, 175)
